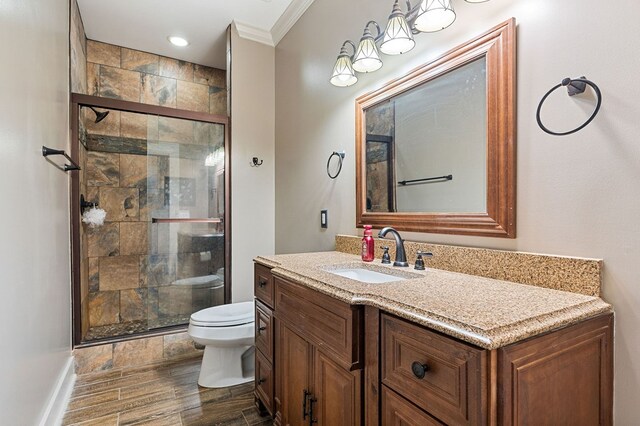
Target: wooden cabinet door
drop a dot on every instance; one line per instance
(337, 393)
(293, 359)
(561, 378)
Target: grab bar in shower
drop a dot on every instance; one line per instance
(186, 220)
(65, 167)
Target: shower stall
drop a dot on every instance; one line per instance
(161, 177)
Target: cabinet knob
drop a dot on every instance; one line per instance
(261, 381)
(419, 370)
(262, 282)
(261, 329)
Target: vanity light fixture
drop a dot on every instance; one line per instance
(428, 16)
(367, 58)
(434, 15)
(343, 74)
(178, 41)
(398, 37)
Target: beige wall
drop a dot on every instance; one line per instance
(252, 204)
(577, 195)
(35, 290)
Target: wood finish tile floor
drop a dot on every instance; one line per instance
(164, 394)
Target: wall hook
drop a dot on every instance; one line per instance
(255, 162)
(84, 204)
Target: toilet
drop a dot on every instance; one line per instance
(228, 334)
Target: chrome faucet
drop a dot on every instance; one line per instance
(401, 257)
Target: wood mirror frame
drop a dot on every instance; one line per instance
(498, 47)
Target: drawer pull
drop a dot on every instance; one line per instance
(262, 282)
(419, 370)
(261, 381)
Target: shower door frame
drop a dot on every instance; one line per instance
(79, 100)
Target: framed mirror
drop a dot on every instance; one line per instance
(435, 149)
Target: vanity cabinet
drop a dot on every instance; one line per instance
(318, 358)
(426, 378)
(323, 361)
(264, 333)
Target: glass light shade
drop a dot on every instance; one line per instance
(397, 36)
(434, 15)
(343, 74)
(367, 58)
(476, 1)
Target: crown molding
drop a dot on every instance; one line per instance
(250, 32)
(294, 11)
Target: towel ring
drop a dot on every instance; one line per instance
(340, 156)
(574, 86)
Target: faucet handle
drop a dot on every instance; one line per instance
(385, 256)
(420, 261)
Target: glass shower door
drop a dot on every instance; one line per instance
(185, 203)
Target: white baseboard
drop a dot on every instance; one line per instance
(60, 398)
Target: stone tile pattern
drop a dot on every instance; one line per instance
(131, 75)
(485, 312)
(132, 353)
(577, 275)
(118, 258)
(129, 265)
(162, 393)
(78, 51)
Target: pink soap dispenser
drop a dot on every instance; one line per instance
(367, 244)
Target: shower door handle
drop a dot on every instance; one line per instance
(186, 220)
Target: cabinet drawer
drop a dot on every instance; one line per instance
(450, 388)
(264, 330)
(398, 411)
(264, 381)
(324, 321)
(263, 284)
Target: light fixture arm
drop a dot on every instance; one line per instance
(343, 49)
(380, 33)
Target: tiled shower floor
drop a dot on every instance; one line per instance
(161, 394)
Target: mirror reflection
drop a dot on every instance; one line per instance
(426, 148)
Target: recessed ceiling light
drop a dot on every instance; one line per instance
(178, 41)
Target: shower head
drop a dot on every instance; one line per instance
(99, 115)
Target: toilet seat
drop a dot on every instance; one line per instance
(224, 315)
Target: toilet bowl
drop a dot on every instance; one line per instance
(227, 332)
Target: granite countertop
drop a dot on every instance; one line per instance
(486, 312)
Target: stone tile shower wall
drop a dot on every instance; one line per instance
(131, 75)
(132, 264)
(127, 266)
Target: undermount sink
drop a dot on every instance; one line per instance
(366, 275)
